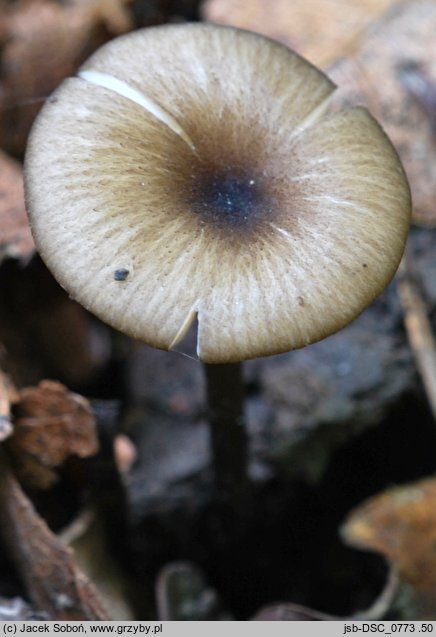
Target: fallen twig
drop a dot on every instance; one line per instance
(419, 331)
(54, 582)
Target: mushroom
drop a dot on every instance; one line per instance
(201, 162)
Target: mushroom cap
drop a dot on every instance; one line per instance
(193, 171)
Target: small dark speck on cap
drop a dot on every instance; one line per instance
(301, 301)
(121, 274)
(365, 265)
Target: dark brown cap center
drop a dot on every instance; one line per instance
(231, 197)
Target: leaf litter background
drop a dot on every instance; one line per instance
(105, 504)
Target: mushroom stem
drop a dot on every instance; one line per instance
(225, 393)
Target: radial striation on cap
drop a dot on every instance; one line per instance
(193, 172)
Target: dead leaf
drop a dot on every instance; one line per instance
(43, 42)
(15, 236)
(401, 524)
(113, 14)
(321, 30)
(50, 425)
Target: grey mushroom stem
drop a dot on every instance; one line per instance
(229, 442)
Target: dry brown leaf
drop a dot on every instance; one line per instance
(112, 13)
(50, 425)
(15, 237)
(321, 30)
(401, 524)
(43, 42)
